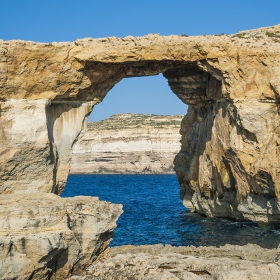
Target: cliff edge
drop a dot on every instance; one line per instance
(128, 143)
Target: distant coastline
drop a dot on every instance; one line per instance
(120, 173)
(128, 144)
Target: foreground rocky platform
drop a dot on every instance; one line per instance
(128, 143)
(167, 262)
(43, 236)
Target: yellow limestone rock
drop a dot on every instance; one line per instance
(230, 82)
(229, 160)
(167, 262)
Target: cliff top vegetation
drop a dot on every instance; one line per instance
(126, 121)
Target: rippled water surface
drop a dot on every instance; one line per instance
(153, 213)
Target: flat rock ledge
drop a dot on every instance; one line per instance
(158, 262)
(44, 236)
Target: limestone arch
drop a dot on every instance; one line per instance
(60, 83)
(229, 163)
(189, 81)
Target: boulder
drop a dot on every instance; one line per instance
(43, 236)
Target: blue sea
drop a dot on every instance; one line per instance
(153, 213)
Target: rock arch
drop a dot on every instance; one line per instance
(229, 161)
(230, 84)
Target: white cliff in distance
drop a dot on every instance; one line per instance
(128, 143)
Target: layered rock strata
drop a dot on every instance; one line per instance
(159, 262)
(230, 82)
(128, 143)
(229, 160)
(43, 236)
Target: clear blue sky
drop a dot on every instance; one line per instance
(67, 20)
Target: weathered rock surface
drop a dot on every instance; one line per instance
(128, 143)
(249, 252)
(175, 266)
(166, 262)
(43, 236)
(229, 160)
(231, 83)
(36, 141)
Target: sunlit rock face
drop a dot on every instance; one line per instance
(36, 142)
(220, 77)
(128, 143)
(44, 236)
(174, 263)
(222, 165)
(229, 160)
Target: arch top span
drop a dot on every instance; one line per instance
(86, 69)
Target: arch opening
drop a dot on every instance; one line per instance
(186, 79)
(195, 83)
(190, 84)
(140, 133)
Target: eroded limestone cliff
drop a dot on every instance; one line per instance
(54, 87)
(229, 160)
(128, 143)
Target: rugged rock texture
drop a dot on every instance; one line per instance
(230, 82)
(229, 161)
(158, 262)
(36, 141)
(250, 252)
(179, 267)
(43, 236)
(128, 143)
